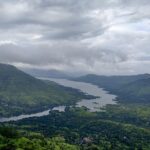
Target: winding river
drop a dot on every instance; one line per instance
(92, 104)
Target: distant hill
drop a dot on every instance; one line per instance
(22, 93)
(139, 91)
(47, 73)
(111, 82)
(130, 89)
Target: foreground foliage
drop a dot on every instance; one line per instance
(116, 128)
(13, 140)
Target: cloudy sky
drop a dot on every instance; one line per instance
(91, 36)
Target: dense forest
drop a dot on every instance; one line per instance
(118, 127)
(11, 139)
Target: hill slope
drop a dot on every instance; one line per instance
(139, 91)
(22, 93)
(130, 89)
(111, 82)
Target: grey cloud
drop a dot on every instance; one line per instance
(82, 34)
(68, 53)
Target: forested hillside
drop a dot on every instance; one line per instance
(116, 128)
(130, 89)
(22, 93)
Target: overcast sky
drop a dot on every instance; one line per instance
(91, 36)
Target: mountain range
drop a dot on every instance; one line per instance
(130, 89)
(48, 73)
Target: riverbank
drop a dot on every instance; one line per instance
(93, 103)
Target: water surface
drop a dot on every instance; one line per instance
(92, 104)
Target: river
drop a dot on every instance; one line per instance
(92, 104)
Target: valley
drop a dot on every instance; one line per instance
(21, 93)
(100, 99)
(87, 113)
(74, 75)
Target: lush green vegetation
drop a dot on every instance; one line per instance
(22, 93)
(119, 127)
(10, 139)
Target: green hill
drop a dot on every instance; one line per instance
(130, 89)
(22, 93)
(139, 91)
